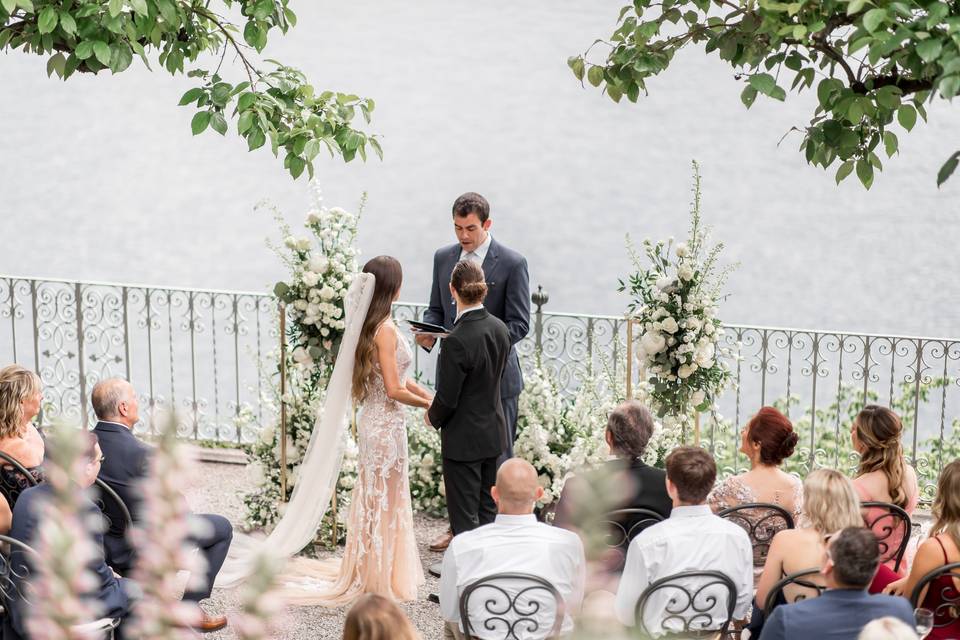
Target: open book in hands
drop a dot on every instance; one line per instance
(426, 329)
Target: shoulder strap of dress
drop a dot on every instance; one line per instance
(943, 549)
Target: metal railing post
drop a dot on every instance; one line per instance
(539, 298)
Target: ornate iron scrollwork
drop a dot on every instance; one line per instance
(694, 597)
(516, 604)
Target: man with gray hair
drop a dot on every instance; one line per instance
(625, 482)
(513, 543)
(125, 463)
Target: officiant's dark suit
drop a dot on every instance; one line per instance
(508, 298)
(467, 410)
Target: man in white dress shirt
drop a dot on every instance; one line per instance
(692, 538)
(514, 543)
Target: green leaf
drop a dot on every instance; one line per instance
(376, 147)
(296, 166)
(115, 7)
(907, 116)
(281, 289)
(764, 83)
(865, 172)
(948, 168)
(890, 143)
(218, 123)
(874, 18)
(200, 121)
(102, 52)
(84, 50)
(47, 20)
(949, 86)
(246, 101)
(191, 96)
(576, 65)
(120, 57)
(845, 169)
(256, 139)
(855, 6)
(9, 5)
(245, 121)
(26, 5)
(67, 23)
(929, 49)
(595, 75)
(140, 6)
(58, 63)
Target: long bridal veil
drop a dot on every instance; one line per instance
(321, 464)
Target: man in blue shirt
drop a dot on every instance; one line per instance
(841, 612)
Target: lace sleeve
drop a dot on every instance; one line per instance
(725, 495)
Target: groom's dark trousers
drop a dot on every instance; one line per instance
(467, 411)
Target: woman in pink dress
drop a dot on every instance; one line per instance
(883, 475)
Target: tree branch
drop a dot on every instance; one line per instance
(248, 67)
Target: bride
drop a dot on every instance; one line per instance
(381, 552)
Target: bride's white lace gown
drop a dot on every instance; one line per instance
(381, 552)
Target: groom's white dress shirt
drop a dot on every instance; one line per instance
(479, 254)
(692, 538)
(513, 544)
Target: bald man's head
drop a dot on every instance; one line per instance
(115, 400)
(518, 488)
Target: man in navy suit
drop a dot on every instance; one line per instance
(508, 298)
(842, 610)
(113, 594)
(126, 463)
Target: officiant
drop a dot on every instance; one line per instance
(508, 298)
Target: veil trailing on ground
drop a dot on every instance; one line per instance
(321, 463)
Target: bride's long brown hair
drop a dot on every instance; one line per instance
(388, 276)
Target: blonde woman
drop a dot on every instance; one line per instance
(942, 547)
(830, 504)
(884, 474)
(20, 398)
(374, 617)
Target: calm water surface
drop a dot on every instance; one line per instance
(101, 178)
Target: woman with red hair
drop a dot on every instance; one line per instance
(767, 440)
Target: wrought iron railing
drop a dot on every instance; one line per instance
(212, 356)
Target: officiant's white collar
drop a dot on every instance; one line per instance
(481, 251)
(475, 307)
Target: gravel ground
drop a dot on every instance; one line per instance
(218, 490)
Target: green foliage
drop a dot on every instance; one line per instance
(870, 62)
(274, 105)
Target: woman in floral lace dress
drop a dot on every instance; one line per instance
(381, 552)
(767, 441)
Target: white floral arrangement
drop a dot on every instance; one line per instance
(674, 302)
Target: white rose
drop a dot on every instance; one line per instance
(685, 272)
(291, 242)
(300, 305)
(708, 328)
(318, 264)
(301, 355)
(327, 293)
(313, 218)
(697, 397)
(664, 282)
(324, 332)
(682, 250)
(310, 278)
(313, 309)
(266, 435)
(693, 324)
(704, 355)
(652, 343)
(686, 370)
(669, 325)
(303, 244)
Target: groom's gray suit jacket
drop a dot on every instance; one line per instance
(508, 298)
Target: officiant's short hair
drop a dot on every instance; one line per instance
(471, 202)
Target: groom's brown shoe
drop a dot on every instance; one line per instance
(442, 541)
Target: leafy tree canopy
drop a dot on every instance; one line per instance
(272, 103)
(872, 63)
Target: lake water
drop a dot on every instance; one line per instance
(101, 179)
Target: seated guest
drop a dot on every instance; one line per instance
(113, 593)
(767, 440)
(20, 398)
(126, 463)
(692, 538)
(851, 559)
(830, 503)
(942, 547)
(887, 629)
(636, 484)
(514, 543)
(884, 474)
(374, 617)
